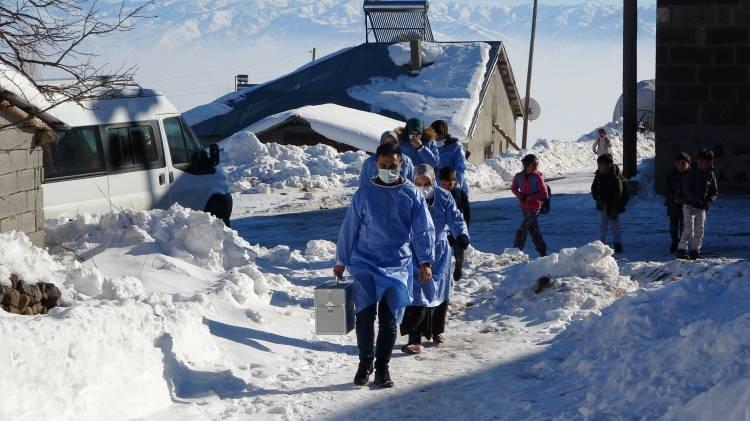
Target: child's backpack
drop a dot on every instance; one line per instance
(546, 203)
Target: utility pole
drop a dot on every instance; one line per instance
(528, 78)
(629, 88)
(313, 51)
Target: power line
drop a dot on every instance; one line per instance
(227, 68)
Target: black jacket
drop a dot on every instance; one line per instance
(674, 196)
(462, 203)
(607, 189)
(700, 187)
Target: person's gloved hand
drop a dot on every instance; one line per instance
(463, 241)
(338, 271)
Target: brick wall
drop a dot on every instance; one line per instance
(20, 183)
(703, 86)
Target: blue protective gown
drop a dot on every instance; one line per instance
(370, 169)
(383, 228)
(427, 154)
(452, 156)
(447, 219)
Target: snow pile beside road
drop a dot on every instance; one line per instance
(556, 157)
(19, 257)
(256, 167)
(192, 236)
(449, 89)
(349, 126)
(677, 348)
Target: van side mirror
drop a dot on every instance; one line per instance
(213, 154)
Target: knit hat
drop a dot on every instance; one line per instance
(426, 171)
(386, 136)
(414, 125)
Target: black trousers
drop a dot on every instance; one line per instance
(675, 226)
(424, 321)
(386, 339)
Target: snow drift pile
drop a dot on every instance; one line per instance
(256, 167)
(448, 89)
(674, 348)
(556, 157)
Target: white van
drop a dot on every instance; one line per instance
(130, 151)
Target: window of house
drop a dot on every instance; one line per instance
(132, 146)
(488, 151)
(77, 152)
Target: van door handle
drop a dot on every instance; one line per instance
(171, 177)
(161, 179)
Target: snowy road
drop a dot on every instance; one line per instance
(572, 223)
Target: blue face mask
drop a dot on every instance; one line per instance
(428, 192)
(440, 143)
(388, 176)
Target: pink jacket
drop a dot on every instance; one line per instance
(522, 187)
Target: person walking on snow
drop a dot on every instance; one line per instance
(674, 198)
(602, 144)
(530, 189)
(427, 314)
(370, 167)
(386, 228)
(609, 190)
(449, 182)
(418, 147)
(700, 190)
(451, 152)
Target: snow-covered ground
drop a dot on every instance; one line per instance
(171, 316)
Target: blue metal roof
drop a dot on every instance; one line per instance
(325, 81)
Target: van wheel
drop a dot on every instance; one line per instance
(219, 209)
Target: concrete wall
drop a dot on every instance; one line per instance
(21, 174)
(496, 110)
(703, 86)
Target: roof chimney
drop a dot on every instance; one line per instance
(416, 56)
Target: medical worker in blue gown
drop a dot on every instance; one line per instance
(370, 166)
(429, 308)
(419, 147)
(386, 228)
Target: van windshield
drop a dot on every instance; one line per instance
(77, 152)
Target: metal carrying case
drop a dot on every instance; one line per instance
(334, 308)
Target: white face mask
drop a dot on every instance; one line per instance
(388, 176)
(440, 143)
(428, 192)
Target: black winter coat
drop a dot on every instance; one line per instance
(674, 196)
(700, 187)
(607, 189)
(462, 202)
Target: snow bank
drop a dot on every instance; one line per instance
(252, 166)
(205, 112)
(349, 126)
(556, 157)
(192, 236)
(449, 89)
(400, 53)
(678, 348)
(18, 85)
(19, 257)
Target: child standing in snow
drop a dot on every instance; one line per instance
(700, 191)
(610, 192)
(602, 144)
(529, 187)
(674, 197)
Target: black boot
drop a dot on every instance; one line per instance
(457, 274)
(363, 373)
(673, 248)
(695, 255)
(682, 254)
(618, 248)
(383, 378)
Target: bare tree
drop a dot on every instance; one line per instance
(47, 37)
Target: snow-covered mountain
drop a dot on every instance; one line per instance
(179, 23)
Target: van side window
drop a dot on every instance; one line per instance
(182, 146)
(132, 146)
(77, 153)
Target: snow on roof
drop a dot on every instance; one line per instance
(359, 129)
(20, 88)
(449, 89)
